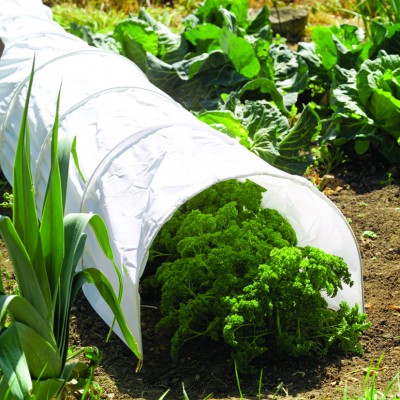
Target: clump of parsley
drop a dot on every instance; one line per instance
(231, 270)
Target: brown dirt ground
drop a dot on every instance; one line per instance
(371, 199)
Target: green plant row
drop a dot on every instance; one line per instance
(339, 92)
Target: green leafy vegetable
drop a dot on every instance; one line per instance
(367, 107)
(378, 84)
(225, 60)
(232, 271)
(263, 129)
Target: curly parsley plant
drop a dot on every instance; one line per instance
(229, 269)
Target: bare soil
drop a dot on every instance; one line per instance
(370, 198)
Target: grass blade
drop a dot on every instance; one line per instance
(238, 382)
(391, 387)
(260, 384)
(164, 395)
(185, 395)
(76, 161)
(100, 230)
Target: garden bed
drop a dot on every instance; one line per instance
(370, 198)
(368, 194)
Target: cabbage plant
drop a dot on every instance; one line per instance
(378, 84)
(45, 255)
(366, 107)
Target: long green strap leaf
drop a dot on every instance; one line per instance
(66, 147)
(25, 217)
(74, 240)
(43, 359)
(14, 364)
(22, 311)
(75, 225)
(65, 299)
(100, 230)
(52, 230)
(24, 209)
(25, 274)
(97, 278)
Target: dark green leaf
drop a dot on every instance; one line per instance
(209, 12)
(25, 217)
(22, 311)
(266, 126)
(361, 146)
(262, 89)
(390, 43)
(317, 71)
(229, 20)
(260, 114)
(25, 273)
(14, 365)
(240, 9)
(98, 40)
(167, 78)
(48, 388)
(42, 357)
(261, 25)
(193, 82)
(295, 148)
(350, 42)
(390, 148)
(290, 73)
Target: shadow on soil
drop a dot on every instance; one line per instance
(205, 367)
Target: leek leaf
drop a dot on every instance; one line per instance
(14, 365)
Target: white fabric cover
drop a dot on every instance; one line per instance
(142, 154)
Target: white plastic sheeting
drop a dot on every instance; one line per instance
(142, 154)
